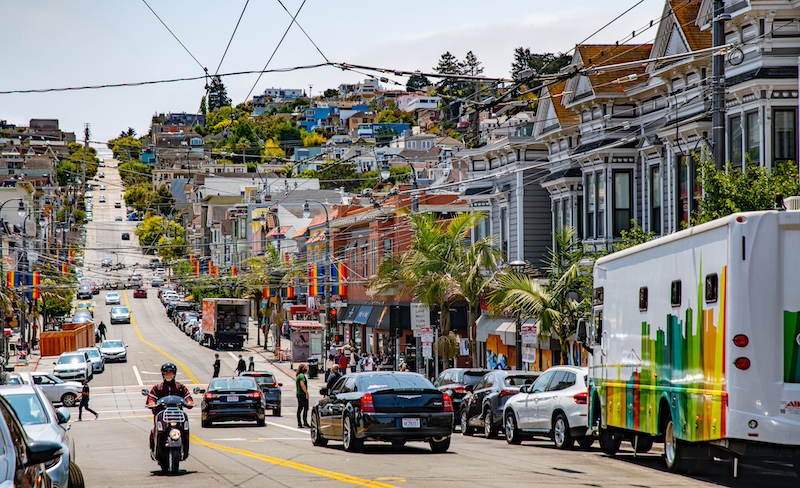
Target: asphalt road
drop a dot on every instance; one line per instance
(113, 451)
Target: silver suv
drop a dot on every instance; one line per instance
(73, 365)
(43, 423)
(66, 393)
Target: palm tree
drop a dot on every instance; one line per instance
(440, 267)
(560, 300)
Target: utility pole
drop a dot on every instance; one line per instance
(85, 153)
(718, 84)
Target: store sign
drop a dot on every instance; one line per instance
(420, 317)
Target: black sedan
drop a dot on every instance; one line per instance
(483, 407)
(228, 399)
(457, 382)
(383, 406)
(270, 388)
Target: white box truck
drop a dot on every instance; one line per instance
(695, 342)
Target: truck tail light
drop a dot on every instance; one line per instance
(740, 340)
(581, 398)
(742, 363)
(448, 402)
(367, 405)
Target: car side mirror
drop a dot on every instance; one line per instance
(62, 414)
(40, 452)
(524, 389)
(323, 391)
(199, 391)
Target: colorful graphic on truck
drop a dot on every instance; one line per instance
(685, 365)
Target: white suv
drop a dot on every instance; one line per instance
(556, 405)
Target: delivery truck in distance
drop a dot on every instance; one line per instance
(225, 322)
(695, 342)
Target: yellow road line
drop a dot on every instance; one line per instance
(168, 356)
(344, 478)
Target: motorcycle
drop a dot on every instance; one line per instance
(169, 444)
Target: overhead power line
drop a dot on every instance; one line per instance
(176, 37)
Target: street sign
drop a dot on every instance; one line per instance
(420, 317)
(530, 334)
(463, 347)
(427, 334)
(427, 351)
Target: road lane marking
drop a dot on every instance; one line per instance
(344, 478)
(233, 356)
(305, 431)
(141, 338)
(138, 378)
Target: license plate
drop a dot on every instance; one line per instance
(411, 423)
(233, 398)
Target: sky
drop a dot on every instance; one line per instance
(56, 44)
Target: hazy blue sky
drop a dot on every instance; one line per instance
(56, 43)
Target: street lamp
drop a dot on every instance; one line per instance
(519, 266)
(326, 281)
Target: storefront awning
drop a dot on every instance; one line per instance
(305, 325)
(363, 314)
(379, 318)
(503, 327)
(350, 314)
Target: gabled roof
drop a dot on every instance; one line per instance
(566, 117)
(278, 231)
(686, 12)
(597, 55)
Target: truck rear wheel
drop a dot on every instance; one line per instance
(673, 452)
(609, 441)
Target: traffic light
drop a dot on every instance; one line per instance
(332, 318)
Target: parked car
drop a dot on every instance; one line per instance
(57, 391)
(84, 292)
(101, 175)
(118, 218)
(120, 315)
(102, 197)
(231, 399)
(456, 382)
(102, 187)
(483, 407)
(270, 388)
(106, 262)
(42, 422)
(73, 365)
(554, 406)
(112, 298)
(23, 462)
(140, 293)
(117, 204)
(384, 406)
(126, 236)
(98, 364)
(114, 350)
(157, 281)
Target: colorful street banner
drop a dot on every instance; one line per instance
(37, 280)
(10, 279)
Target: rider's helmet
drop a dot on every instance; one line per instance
(168, 367)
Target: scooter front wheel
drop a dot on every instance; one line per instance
(173, 461)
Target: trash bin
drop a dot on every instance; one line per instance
(313, 368)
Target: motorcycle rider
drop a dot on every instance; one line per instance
(167, 387)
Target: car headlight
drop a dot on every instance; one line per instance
(174, 434)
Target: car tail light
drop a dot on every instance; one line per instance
(740, 340)
(581, 398)
(460, 389)
(742, 363)
(508, 392)
(209, 396)
(257, 394)
(448, 402)
(366, 403)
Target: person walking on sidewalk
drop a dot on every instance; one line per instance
(301, 388)
(252, 365)
(85, 402)
(241, 367)
(334, 377)
(217, 365)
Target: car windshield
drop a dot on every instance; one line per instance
(71, 358)
(472, 377)
(82, 316)
(233, 384)
(119, 310)
(264, 379)
(110, 344)
(385, 381)
(519, 380)
(92, 353)
(112, 295)
(28, 408)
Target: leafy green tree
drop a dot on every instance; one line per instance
(330, 93)
(272, 150)
(139, 197)
(134, 173)
(729, 190)
(633, 237)
(393, 115)
(471, 66)
(150, 231)
(217, 94)
(163, 201)
(66, 171)
(313, 139)
(126, 147)
(172, 245)
(542, 64)
(448, 65)
(417, 83)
